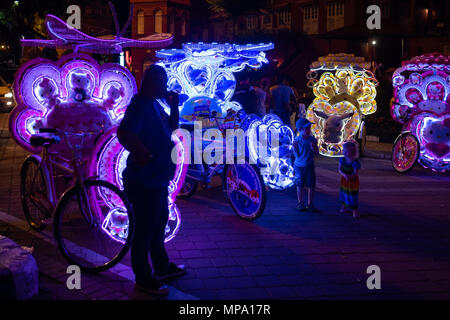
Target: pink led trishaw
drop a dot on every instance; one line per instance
(345, 93)
(422, 104)
(67, 115)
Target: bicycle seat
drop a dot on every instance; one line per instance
(39, 140)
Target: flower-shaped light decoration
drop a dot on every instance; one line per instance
(76, 94)
(345, 91)
(422, 103)
(72, 94)
(205, 70)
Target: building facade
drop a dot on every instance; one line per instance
(153, 16)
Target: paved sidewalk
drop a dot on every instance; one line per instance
(378, 150)
(284, 254)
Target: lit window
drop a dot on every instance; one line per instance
(284, 17)
(183, 25)
(311, 13)
(252, 22)
(335, 9)
(172, 23)
(140, 22)
(158, 21)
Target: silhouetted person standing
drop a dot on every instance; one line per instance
(145, 132)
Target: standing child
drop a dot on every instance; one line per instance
(348, 168)
(305, 147)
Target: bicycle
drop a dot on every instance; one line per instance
(92, 220)
(242, 183)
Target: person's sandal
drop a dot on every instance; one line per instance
(301, 206)
(311, 208)
(153, 287)
(173, 271)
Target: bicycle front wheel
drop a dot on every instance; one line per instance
(33, 191)
(93, 225)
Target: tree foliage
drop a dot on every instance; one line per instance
(26, 17)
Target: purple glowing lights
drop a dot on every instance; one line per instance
(422, 104)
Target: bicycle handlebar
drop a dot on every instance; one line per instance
(67, 134)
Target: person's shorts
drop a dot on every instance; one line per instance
(305, 177)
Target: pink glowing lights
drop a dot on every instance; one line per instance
(422, 104)
(76, 94)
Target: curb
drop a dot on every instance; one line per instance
(19, 279)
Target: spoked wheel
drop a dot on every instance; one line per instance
(405, 153)
(33, 191)
(194, 175)
(93, 225)
(245, 190)
(188, 189)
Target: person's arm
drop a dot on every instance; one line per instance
(346, 176)
(356, 166)
(295, 145)
(127, 133)
(292, 101)
(314, 146)
(173, 101)
(131, 142)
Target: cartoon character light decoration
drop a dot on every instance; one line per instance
(72, 94)
(203, 75)
(76, 94)
(345, 92)
(422, 104)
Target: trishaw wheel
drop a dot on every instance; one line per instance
(405, 153)
(188, 189)
(33, 191)
(93, 225)
(245, 190)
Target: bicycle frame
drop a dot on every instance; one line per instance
(74, 167)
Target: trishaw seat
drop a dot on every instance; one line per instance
(42, 139)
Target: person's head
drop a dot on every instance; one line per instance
(154, 82)
(350, 150)
(264, 82)
(304, 127)
(280, 78)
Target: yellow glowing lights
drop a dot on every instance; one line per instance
(345, 92)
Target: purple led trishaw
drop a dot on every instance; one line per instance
(422, 104)
(67, 115)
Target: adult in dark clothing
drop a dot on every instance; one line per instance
(282, 98)
(145, 132)
(245, 94)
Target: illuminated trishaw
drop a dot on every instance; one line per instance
(344, 90)
(202, 73)
(422, 104)
(67, 115)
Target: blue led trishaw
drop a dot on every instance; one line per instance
(202, 74)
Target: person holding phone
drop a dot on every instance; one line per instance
(145, 131)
